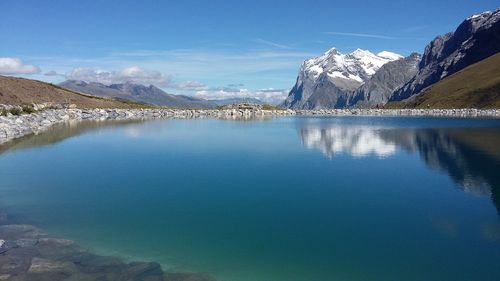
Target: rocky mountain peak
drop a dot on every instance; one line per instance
(335, 73)
(475, 39)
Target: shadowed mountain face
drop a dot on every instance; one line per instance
(475, 39)
(476, 86)
(384, 82)
(136, 92)
(470, 157)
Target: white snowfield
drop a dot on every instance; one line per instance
(483, 14)
(358, 65)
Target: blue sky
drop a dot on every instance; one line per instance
(192, 46)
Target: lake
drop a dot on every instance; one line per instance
(279, 199)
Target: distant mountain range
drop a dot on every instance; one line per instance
(136, 92)
(363, 79)
(21, 91)
(148, 94)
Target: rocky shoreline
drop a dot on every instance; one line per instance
(15, 126)
(28, 254)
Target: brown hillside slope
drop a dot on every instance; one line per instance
(476, 86)
(19, 91)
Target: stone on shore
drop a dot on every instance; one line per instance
(12, 126)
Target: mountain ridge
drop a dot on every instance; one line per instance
(137, 92)
(477, 86)
(475, 39)
(325, 80)
(21, 91)
(348, 85)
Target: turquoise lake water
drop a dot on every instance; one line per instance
(283, 199)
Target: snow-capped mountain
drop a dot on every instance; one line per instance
(358, 65)
(324, 79)
(390, 77)
(364, 79)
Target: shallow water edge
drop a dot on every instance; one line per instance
(12, 127)
(28, 253)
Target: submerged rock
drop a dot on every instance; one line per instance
(26, 254)
(18, 231)
(188, 277)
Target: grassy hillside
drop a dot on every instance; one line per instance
(476, 86)
(20, 91)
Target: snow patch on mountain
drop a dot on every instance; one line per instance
(325, 80)
(389, 55)
(483, 14)
(358, 65)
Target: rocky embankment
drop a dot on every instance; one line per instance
(28, 254)
(462, 113)
(14, 126)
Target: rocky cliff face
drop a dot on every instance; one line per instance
(325, 81)
(475, 39)
(391, 76)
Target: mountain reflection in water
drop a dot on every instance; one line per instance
(358, 142)
(471, 157)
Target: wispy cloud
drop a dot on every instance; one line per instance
(205, 54)
(132, 74)
(191, 86)
(271, 43)
(256, 68)
(365, 35)
(220, 65)
(268, 95)
(53, 73)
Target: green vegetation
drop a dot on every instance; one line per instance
(269, 107)
(476, 86)
(28, 109)
(24, 109)
(15, 111)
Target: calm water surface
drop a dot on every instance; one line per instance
(285, 199)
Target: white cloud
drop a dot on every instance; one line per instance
(272, 96)
(270, 43)
(366, 35)
(132, 74)
(53, 73)
(191, 86)
(16, 66)
(257, 68)
(216, 64)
